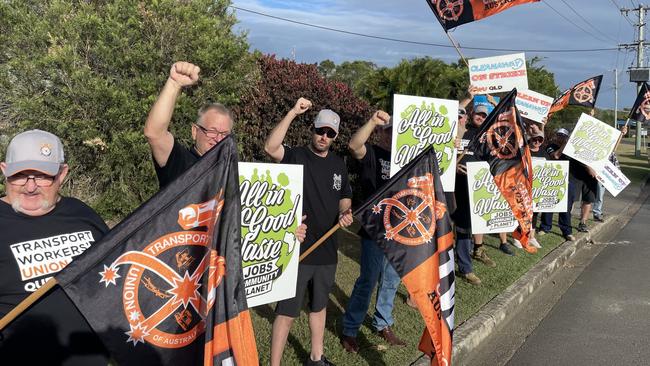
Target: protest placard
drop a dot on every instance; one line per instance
(490, 212)
(499, 73)
(533, 105)
(271, 203)
(611, 177)
(419, 122)
(591, 140)
(550, 185)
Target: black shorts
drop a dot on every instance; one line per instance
(586, 188)
(318, 280)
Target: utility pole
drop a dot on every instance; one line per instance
(615, 98)
(639, 45)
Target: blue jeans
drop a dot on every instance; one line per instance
(597, 208)
(564, 218)
(463, 251)
(374, 268)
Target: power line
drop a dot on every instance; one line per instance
(586, 21)
(572, 22)
(416, 42)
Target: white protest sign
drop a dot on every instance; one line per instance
(271, 203)
(591, 141)
(533, 105)
(499, 73)
(420, 122)
(611, 177)
(550, 185)
(490, 212)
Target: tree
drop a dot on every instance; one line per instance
(89, 71)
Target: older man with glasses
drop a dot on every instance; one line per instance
(40, 233)
(213, 124)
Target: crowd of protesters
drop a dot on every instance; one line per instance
(35, 168)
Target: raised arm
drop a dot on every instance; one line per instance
(273, 144)
(156, 128)
(357, 142)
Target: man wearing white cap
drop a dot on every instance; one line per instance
(327, 201)
(41, 232)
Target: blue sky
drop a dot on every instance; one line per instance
(528, 26)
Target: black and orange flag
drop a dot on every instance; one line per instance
(582, 94)
(640, 111)
(501, 143)
(165, 287)
(409, 220)
(452, 13)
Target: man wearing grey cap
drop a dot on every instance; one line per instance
(41, 232)
(327, 200)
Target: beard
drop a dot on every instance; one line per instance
(17, 206)
(317, 148)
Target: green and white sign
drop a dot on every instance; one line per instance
(550, 185)
(591, 140)
(420, 122)
(271, 203)
(490, 213)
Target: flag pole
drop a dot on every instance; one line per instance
(457, 47)
(25, 304)
(320, 241)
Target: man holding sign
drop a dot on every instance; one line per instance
(327, 201)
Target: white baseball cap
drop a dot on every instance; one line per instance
(34, 150)
(327, 118)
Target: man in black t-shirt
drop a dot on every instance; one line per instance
(41, 232)
(214, 122)
(374, 267)
(327, 200)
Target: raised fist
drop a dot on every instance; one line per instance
(380, 118)
(472, 90)
(302, 105)
(184, 73)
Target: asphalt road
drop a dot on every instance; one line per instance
(603, 318)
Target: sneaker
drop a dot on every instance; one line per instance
(582, 227)
(542, 233)
(517, 244)
(569, 237)
(481, 255)
(322, 362)
(471, 278)
(534, 243)
(350, 344)
(390, 337)
(505, 248)
(599, 218)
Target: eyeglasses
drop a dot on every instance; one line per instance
(320, 131)
(212, 133)
(39, 180)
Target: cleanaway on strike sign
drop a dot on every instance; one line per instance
(271, 204)
(490, 212)
(420, 122)
(533, 105)
(499, 74)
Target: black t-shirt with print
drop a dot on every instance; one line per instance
(180, 159)
(325, 183)
(33, 249)
(374, 171)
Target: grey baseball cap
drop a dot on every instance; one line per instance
(563, 131)
(327, 118)
(481, 109)
(34, 150)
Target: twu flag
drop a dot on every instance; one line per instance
(583, 94)
(165, 287)
(640, 111)
(500, 141)
(409, 220)
(452, 13)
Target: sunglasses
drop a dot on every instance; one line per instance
(212, 133)
(320, 131)
(538, 140)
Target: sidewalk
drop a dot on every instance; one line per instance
(469, 335)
